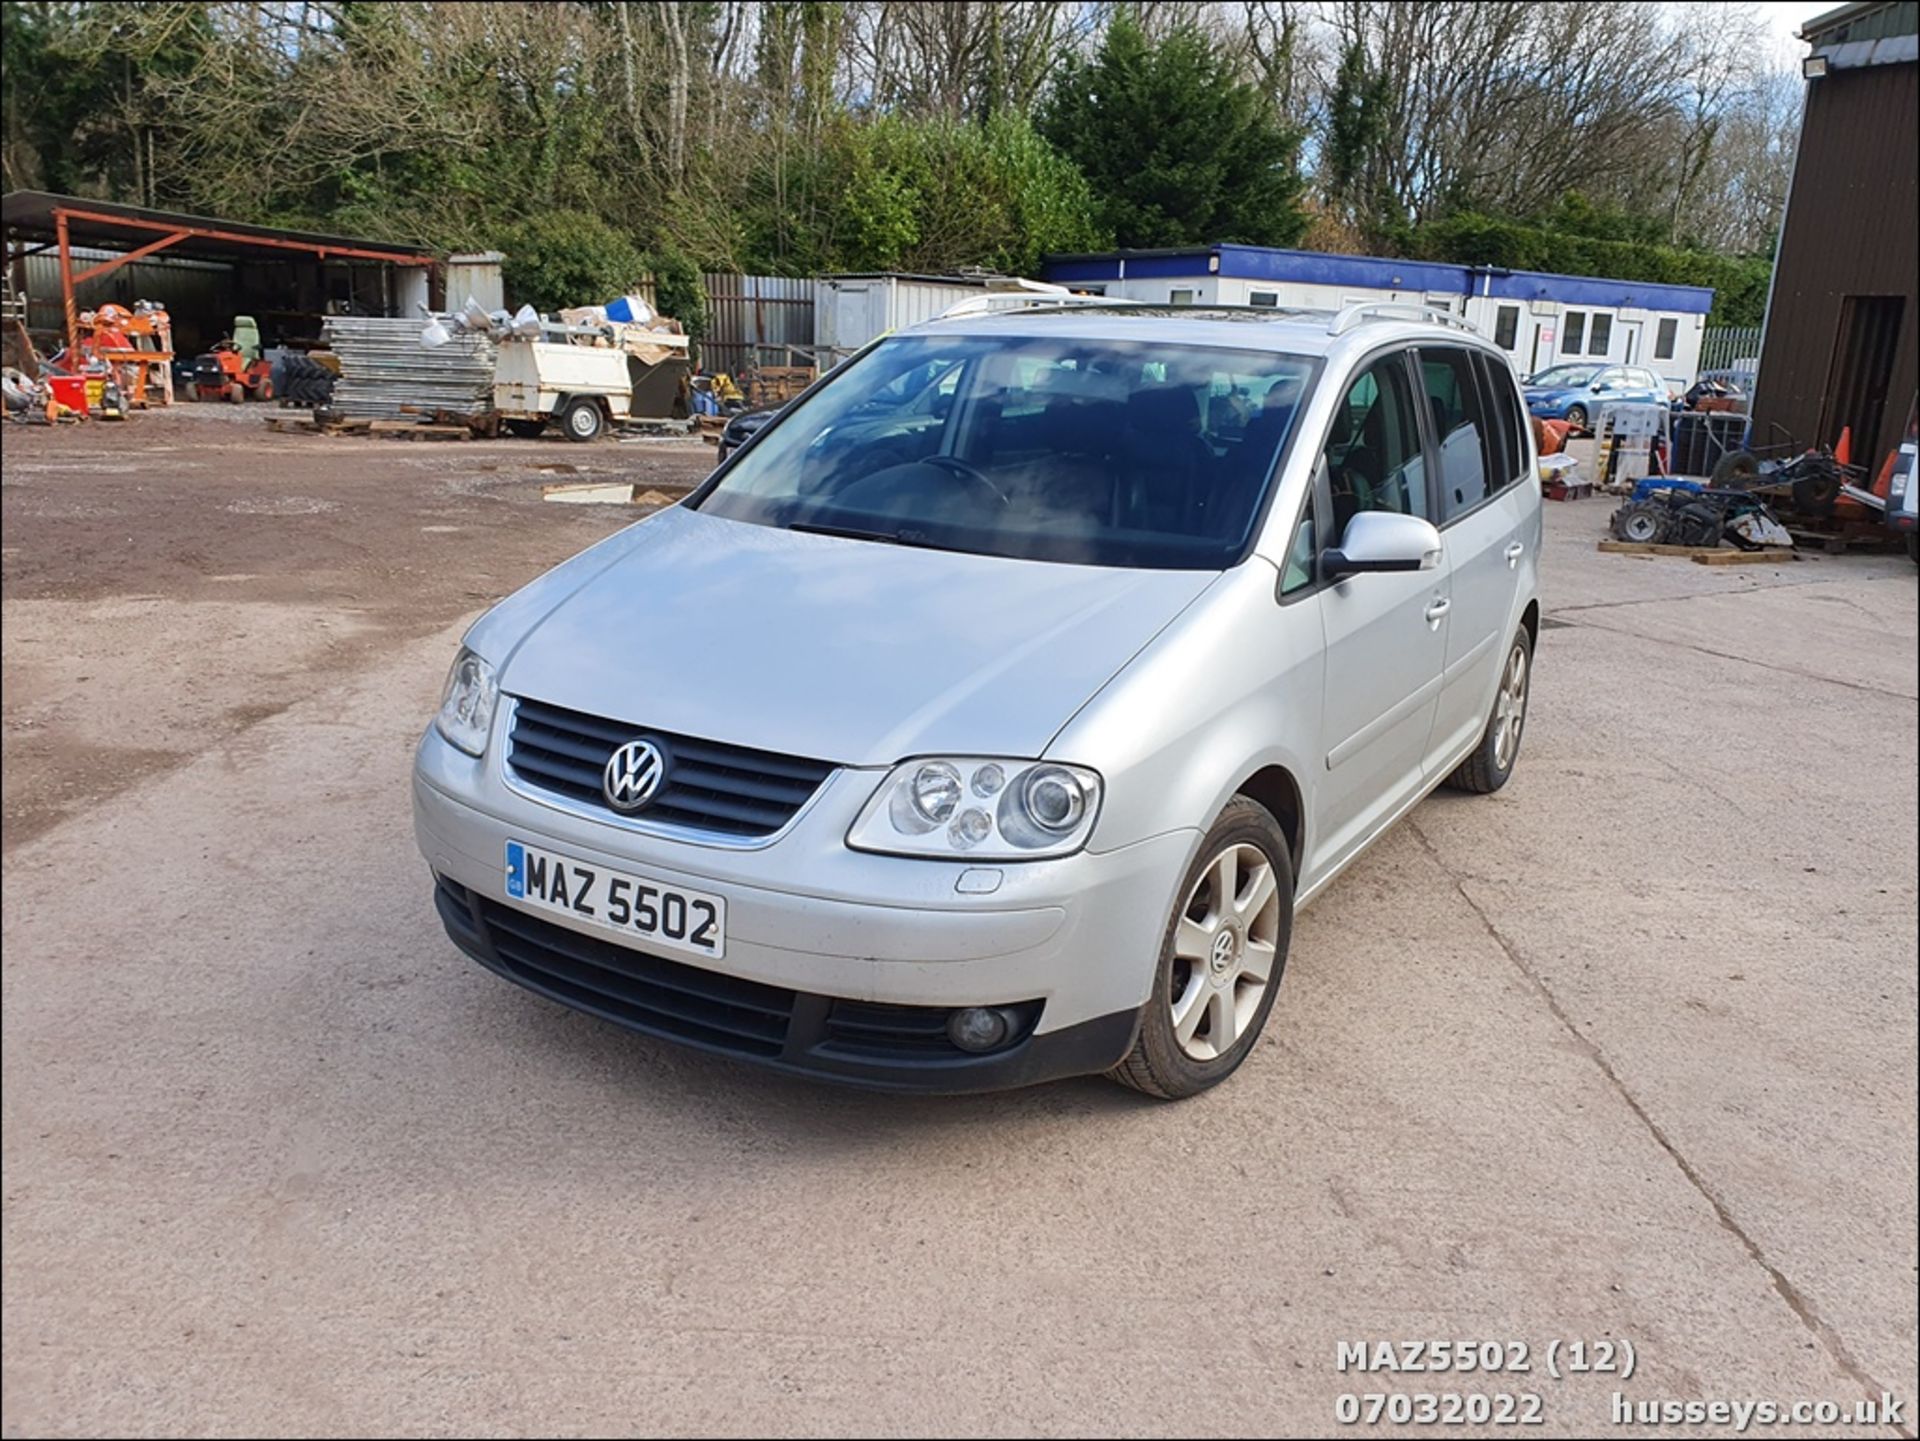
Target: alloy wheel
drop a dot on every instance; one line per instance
(1510, 709)
(1223, 951)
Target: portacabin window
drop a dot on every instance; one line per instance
(1599, 333)
(1506, 326)
(1180, 297)
(1666, 338)
(1573, 333)
(1268, 299)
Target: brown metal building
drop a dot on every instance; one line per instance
(1842, 319)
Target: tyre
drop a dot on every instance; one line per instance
(1221, 959)
(1642, 522)
(1698, 524)
(580, 419)
(526, 429)
(1577, 416)
(300, 381)
(263, 388)
(1492, 761)
(236, 393)
(1734, 471)
(1913, 547)
(1817, 494)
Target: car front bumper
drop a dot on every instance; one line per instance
(826, 940)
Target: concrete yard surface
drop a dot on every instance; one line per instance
(1626, 1052)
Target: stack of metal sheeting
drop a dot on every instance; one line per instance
(384, 367)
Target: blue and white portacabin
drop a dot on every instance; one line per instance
(1540, 320)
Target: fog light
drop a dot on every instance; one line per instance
(978, 1028)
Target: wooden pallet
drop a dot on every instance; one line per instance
(290, 425)
(1701, 554)
(412, 430)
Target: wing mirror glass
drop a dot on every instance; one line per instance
(1378, 540)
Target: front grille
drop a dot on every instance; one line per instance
(725, 1013)
(710, 786)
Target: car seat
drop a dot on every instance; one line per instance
(1165, 461)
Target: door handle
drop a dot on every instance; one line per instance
(1514, 552)
(1435, 611)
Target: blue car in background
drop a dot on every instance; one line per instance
(1574, 392)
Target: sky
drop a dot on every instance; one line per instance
(1784, 17)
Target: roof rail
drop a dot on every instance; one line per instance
(1365, 310)
(995, 301)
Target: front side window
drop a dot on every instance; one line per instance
(1506, 326)
(1302, 555)
(1374, 455)
(1093, 452)
(1665, 338)
(1467, 468)
(1600, 333)
(1573, 333)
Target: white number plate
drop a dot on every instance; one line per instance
(633, 907)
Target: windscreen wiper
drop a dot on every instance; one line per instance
(906, 535)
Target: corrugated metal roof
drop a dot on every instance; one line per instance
(1863, 20)
(29, 213)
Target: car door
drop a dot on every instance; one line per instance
(1386, 634)
(1480, 460)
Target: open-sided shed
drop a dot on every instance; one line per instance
(66, 255)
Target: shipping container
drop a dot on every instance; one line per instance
(850, 310)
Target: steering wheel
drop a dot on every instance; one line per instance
(965, 471)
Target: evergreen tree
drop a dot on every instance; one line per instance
(1177, 150)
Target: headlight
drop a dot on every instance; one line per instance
(466, 710)
(977, 807)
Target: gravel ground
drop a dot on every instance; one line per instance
(1626, 1052)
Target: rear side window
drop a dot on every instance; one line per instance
(1469, 472)
(1508, 429)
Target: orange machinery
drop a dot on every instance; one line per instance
(137, 344)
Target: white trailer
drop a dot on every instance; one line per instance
(581, 388)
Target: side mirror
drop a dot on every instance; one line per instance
(1378, 540)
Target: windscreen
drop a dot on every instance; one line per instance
(1092, 452)
(1566, 375)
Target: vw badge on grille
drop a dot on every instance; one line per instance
(633, 775)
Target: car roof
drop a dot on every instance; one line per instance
(1312, 333)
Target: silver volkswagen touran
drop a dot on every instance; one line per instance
(987, 717)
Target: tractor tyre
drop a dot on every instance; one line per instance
(236, 393)
(300, 381)
(1643, 523)
(1734, 471)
